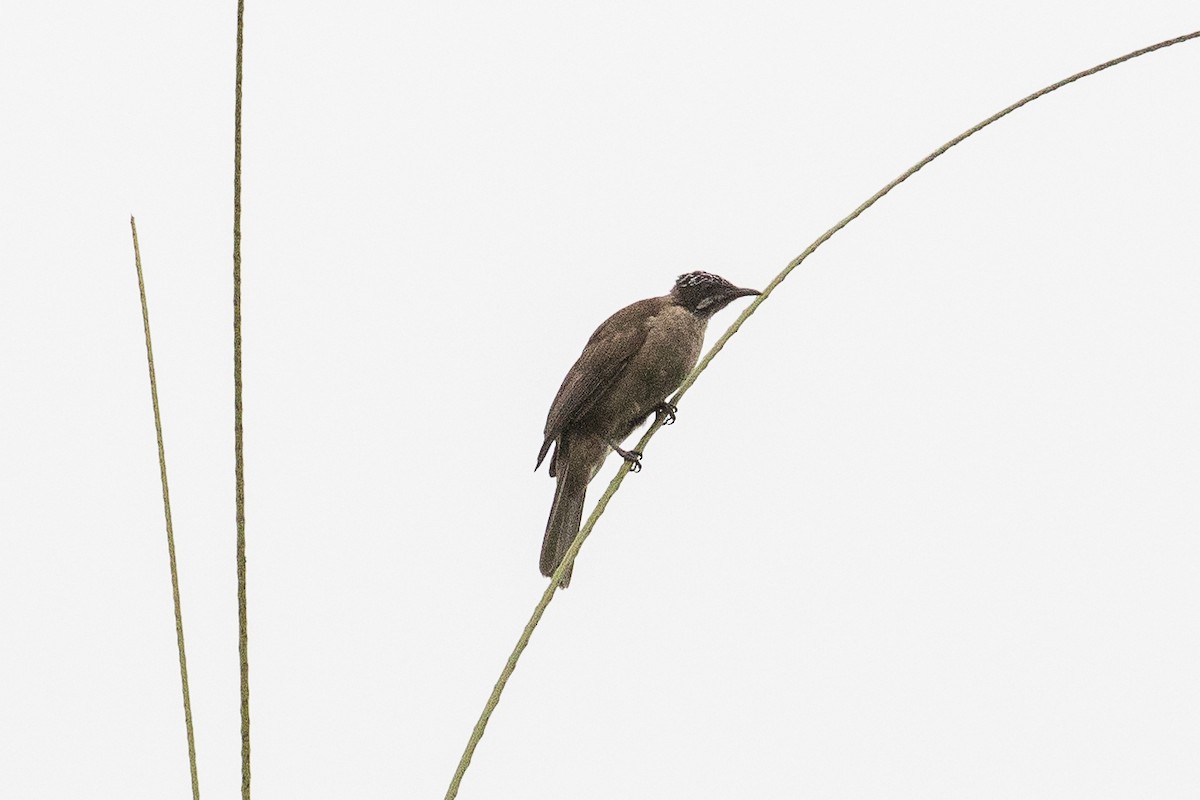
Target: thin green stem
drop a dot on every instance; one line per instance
(908, 173)
(166, 495)
(239, 469)
(585, 531)
(523, 641)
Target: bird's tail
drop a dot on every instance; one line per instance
(573, 471)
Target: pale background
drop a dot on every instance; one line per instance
(927, 528)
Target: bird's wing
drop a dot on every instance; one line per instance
(604, 358)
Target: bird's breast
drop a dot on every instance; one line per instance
(674, 337)
(673, 340)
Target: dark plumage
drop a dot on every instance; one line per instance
(634, 360)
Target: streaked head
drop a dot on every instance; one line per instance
(704, 293)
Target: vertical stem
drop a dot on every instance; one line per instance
(239, 472)
(166, 494)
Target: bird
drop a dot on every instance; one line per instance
(630, 365)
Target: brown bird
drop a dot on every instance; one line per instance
(634, 360)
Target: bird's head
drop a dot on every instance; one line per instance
(704, 294)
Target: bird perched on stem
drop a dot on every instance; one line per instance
(634, 360)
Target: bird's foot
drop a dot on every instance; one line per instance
(632, 457)
(666, 412)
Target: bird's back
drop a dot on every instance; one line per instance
(599, 368)
(670, 346)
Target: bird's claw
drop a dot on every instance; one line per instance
(666, 412)
(632, 457)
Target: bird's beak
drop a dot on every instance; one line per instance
(744, 292)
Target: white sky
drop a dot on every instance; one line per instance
(927, 528)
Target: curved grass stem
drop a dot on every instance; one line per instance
(585, 531)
